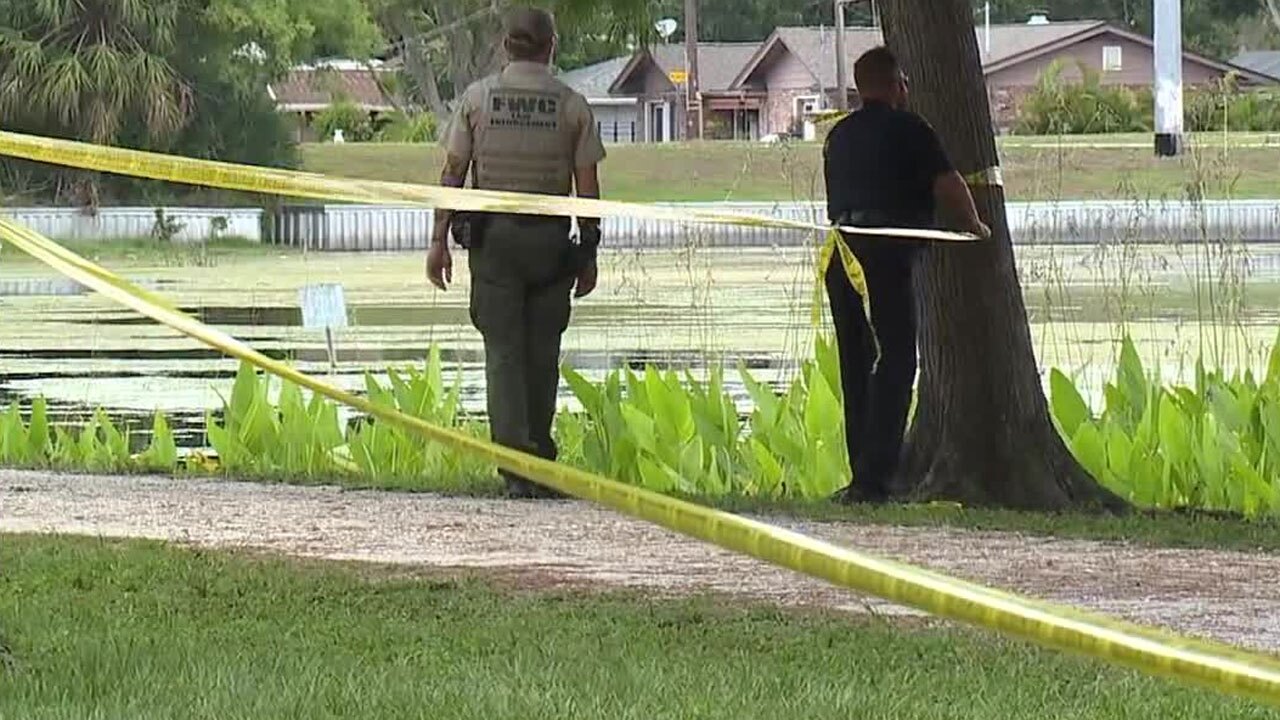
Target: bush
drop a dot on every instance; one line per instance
(1056, 107)
(347, 117)
(401, 127)
(1226, 107)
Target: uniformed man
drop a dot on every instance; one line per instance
(885, 167)
(522, 130)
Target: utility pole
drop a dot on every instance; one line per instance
(842, 62)
(693, 106)
(1168, 52)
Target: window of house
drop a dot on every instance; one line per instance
(1112, 58)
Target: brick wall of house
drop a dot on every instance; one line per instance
(779, 114)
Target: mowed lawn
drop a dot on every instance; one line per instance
(106, 629)
(1035, 168)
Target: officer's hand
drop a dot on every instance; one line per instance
(587, 278)
(440, 265)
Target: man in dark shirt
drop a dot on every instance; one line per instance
(885, 167)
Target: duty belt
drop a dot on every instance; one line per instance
(875, 218)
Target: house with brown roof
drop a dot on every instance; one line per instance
(656, 78)
(308, 90)
(770, 88)
(644, 97)
(796, 68)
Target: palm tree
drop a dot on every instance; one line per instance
(93, 70)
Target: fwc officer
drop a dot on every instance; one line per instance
(522, 130)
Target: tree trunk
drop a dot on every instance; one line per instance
(982, 434)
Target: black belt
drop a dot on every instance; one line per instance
(873, 218)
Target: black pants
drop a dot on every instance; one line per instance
(876, 403)
(520, 304)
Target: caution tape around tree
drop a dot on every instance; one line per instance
(248, 178)
(274, 181)
(1155, 652)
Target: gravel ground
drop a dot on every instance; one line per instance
(1230, 596)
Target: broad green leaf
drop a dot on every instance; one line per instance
(1069, 408)
(39, 437)
(243, 393)
(1088, 447)
(1273, 363)
(162, 453)
(586, 392)
(1175, 434)
(1132, 378)
(655, 476)
(641, 428)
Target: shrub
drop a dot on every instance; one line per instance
(1058, 107)
(1225, 106)
(402, 127)
(347, 117)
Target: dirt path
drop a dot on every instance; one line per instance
(1228, 595)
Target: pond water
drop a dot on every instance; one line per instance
(683, 309)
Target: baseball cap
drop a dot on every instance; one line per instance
(531, 27)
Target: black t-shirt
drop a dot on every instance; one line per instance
(884, 161)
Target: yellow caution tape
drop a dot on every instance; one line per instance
(229, 176)
(856, 276)
(1210, 665)
(991, 177)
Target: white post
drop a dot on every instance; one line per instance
(987, 21)
(1168, 74)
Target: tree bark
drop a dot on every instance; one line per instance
(982, 434)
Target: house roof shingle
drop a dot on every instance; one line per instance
(718, 63)
(317, 87)
(1265, 62)
(815, 47)
(593, 81)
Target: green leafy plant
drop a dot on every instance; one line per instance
(388, 452)
(346, 116)
(1058, 107)
(403, 127)
(657, 434)
(797, 447)
(652, 431)
(1212, 447)
(295, 439)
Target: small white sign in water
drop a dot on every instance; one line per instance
(324, 307)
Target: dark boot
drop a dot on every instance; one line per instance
(521, 489)
(862, 494)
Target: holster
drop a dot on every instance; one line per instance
(468, 229)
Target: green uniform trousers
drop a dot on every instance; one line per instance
(520, 287)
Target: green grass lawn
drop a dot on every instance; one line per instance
(1035, 169)
(97, 629)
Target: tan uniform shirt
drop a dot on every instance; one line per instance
(522, 130)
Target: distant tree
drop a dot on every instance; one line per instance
(91, 69)
(185, 76)
(448, 44)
